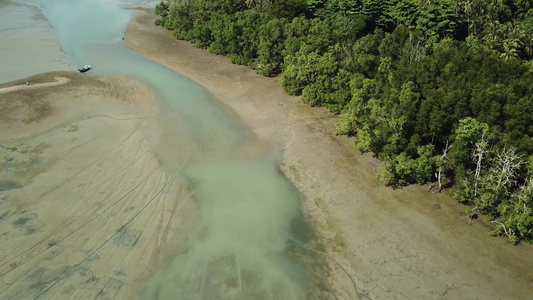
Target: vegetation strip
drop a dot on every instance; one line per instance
(441, 91)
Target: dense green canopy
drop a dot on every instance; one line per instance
(440, 90)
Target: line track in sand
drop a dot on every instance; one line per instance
(29, 86)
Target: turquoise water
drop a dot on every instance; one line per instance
(248, 210)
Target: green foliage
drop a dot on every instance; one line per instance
(288, 8)
(201, 32)
(529, 166)
(399, 171)
(442, 21)
(347, 122)
(296, 36)
(329, 85)
(431, 87)
(161, 9)
(290, 81)
(249, 23)
(464, 192)
(365, 55)
(300, 70)
(364, 139)
(467, 134)
(516, 214)
(271, 44)
(425, 164)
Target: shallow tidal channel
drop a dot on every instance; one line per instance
(250, 240)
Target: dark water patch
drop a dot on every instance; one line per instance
(10, 172)
(39, 149)
(38, 274)
(7, 184)
(74, 128)
(20, 222)
(36, 162)
(69, 290)
(94, 257)
(25, 224)
(3, 215)
(127, 237)
(37, 15)
(91, 279)
(29, 230)
(114, 285)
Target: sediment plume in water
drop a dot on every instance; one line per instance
(240, 252)
(245, 210)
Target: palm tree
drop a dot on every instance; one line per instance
(528, 45)
(515, 35)
(259, 4)
(468, 8)
(509, 50)
(425, 3)
(493, 34)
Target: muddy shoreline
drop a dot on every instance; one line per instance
(393, 244)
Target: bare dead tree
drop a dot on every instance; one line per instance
(479, 154)
(504, 169)
(524, 196)
(441, 167)
(522, 204)
(417, 51)
(508, 231)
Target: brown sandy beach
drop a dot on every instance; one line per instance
(394, 244)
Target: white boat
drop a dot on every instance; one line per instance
(84, 69)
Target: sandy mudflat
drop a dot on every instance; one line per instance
(85, 207)
(21, 87)
(395, 244)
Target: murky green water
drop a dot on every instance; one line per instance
(248, 209)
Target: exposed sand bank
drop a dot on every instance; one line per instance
(395, 244)
(85, 206)
(27, 86)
